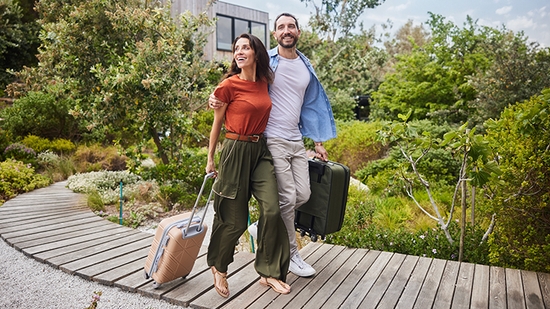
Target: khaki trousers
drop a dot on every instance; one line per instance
(292, 170)
(245, 170)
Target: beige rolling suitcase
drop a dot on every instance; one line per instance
(176, 245)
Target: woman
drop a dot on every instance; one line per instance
(246, 169)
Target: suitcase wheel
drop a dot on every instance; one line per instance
(302, 233)
(313, 237)
(145, 275)
(156, 285)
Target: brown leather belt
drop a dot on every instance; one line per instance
(246, 138)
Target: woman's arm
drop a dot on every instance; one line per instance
(219, 119)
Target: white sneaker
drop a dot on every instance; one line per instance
(253, 230)
(299, 267)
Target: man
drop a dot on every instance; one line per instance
(300, 108)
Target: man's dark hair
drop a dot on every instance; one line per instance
(287, 15)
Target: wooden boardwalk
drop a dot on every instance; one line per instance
(54, 226)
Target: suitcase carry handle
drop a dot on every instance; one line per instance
(206, 177)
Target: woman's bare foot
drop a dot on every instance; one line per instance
(220, 282)
(276, 284)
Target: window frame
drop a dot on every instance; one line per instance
(250, 23)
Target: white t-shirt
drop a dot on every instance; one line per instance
(287, 95)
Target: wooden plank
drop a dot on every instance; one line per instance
(80, 254)
(429, 288)
(398, 284)
(47, 234)
(11, 219)
(369, 278)
(480, 287)
(45, 256)
(463, 289)
(385, 279)
(497, 288)
(514, 289)
(121, 271)
(112, 263)
(50, 224)
(531, 290)
(37, 246)
(81, 263)
(200, 293)
(296, 283)
(256, 291)
(444, 295)
(59, 235)
(327, 291)
(544, 282)
(344, 289)
(413, 285)
(323, 276)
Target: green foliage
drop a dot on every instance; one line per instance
(338, 18)
(181, 181)
(39, 114)
(18, 40)
(58, 145)
(96, 158)
(519, 71)
(356, 144)
(94, 201)
(433, 80)
(17, 177)
(56, 167)
(20, 152)
(520, 138)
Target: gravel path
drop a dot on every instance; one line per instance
(27, 283)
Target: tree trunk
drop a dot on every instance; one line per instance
(160, 149)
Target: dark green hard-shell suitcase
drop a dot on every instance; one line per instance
(324, 212)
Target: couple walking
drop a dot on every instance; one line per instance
(267, 101)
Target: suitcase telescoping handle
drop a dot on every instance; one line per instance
(206, 177)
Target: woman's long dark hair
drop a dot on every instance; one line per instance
(263, 70)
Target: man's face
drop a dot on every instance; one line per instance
(286, 32)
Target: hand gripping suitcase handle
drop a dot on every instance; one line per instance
(206, 177)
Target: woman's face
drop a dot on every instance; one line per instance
(244, 55)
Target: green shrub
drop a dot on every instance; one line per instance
(17, 177)
(62, 146)
(356, 144)
(520, 137)
(38, 144)
(94, 201)
(98, 158)
(39, 114)
(57, 167)
(19, 151)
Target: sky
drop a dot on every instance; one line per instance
(530, 16)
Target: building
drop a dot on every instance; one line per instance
(232, 20)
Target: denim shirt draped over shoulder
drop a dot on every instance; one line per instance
(316, 117)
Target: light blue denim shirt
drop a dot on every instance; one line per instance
(316, 118)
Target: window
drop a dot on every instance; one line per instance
(228, 28)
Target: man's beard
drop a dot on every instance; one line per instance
(291, 45)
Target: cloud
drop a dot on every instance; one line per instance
(504, 10)
(521, 23)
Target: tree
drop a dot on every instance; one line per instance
(519, 71)
(333, 16)
(521, 198)
(130, 71)
(18, 40)
(433, 80)
(152, 87)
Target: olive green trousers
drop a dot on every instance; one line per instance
(246, 170)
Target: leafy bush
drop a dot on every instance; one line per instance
(19, 151)
(180, 181)
(40, 144)
(56, 167)
(39, 114)
(356, 144)
(97, 158)
(521, 238)
(17, 177)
